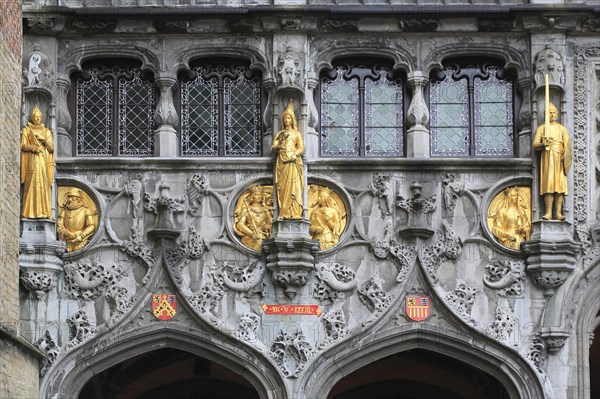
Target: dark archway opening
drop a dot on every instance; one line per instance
(418, 374)
(595, 365)
(168, 373)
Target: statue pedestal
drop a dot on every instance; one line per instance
(290, 255)
(550, 253)
(40, 265)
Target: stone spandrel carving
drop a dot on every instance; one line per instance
(335, 280)
(461, 300)
(447, 246)
(196, 188)
(503, 326)
(388, 247)
(38, 282)
(382, 186)
(506, 277)
(590, 240)
(244, 278)
(211, 292)
(335, 326)
(119, 302)
(291, 352)
(248, 328)
(452, 188)
(536, 353)
(549, 62)
(372, 295)
(88, 280)
(48, 346)
(80, 329)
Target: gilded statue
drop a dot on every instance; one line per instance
(288, 147)
(327, 216)
(509, 217)
(253, 216)
(37, 168)
(553, 141)
(76, 221)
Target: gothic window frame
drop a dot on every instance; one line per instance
(474, 82)
(114, 103)
(223, 84)
(362, 77)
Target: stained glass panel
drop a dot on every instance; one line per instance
(383, 117)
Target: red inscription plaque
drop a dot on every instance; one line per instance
(292, 309)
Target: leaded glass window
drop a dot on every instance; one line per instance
(361, 112)
(220, 112)
(115, 109)
(472, 111)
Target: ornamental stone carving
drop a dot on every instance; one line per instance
(452, 188)
(506, 277)
(80, 329)
(37, 281)
(549, 62)
(289, 69)
(244, 278)
(554, 338)
(89, 280)
(336, 329)
(461, 300)
(382, 187)
(37, 70)
(419, 211)
(248, 327)
(372, 295)
(335, 280)
(447, 246)
(503, 326)
(48, 346)
(196, 188)
(291, 352)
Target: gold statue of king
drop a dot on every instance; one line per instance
(288, 147)
(37, 168)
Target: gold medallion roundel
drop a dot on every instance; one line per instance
(77, 217)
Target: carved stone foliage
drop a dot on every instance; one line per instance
(503, 326)
(244, 278)
(536, 353)
(89, 280)
(80, 329)
(164, 206)
(590, 240)
(387, 246)
(291, 352)
(196, 188)
(372, 295)
(248, 327)
(506, 277)
(288, 69)
(38, 282)
(290, 280)
(447, 246)
(211, 293)
(335, 327)
(48, 346)
(335, 280)
(136, 248)
(549, 62)
(461, 300)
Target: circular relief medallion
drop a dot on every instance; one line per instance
(77, 217)
(253, 216)
(326, 214)
(509, 216)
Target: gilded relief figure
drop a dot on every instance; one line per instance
(555, 160)
(37, 168)
(253, 216)
(288, 147)
(509, 217)
(76, 222)
(327, 216)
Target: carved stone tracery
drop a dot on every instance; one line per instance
(291, 352)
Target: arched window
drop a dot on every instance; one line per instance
(220, 111)
(472, 108)
(362, 111)
(114, 106)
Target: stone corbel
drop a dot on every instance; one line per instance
(63, 117)
(417, 117)
(554, 338)
(38, 282)
(166, 118)
(551, 254)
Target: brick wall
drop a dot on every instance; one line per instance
(19, 369)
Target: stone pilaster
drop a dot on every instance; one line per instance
(417, 140)
(64, 147)
(166, 118)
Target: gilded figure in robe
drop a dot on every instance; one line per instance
(555, 160)
(253, 217)
(76, 223)
(509, 218)
(327, 217)
(37, 168)
(288, 147)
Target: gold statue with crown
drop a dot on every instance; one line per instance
(37, 168)
(288, 147)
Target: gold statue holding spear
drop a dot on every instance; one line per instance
(553, 140)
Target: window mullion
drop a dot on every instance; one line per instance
(361, 117)
(115, 116)
(471, 106)
(221, 108)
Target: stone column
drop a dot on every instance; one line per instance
(417, 141)
(312, 136)
(525, 118)
(64, 147)
(166, 118)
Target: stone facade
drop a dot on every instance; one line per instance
(166, 222)
(19, 360)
